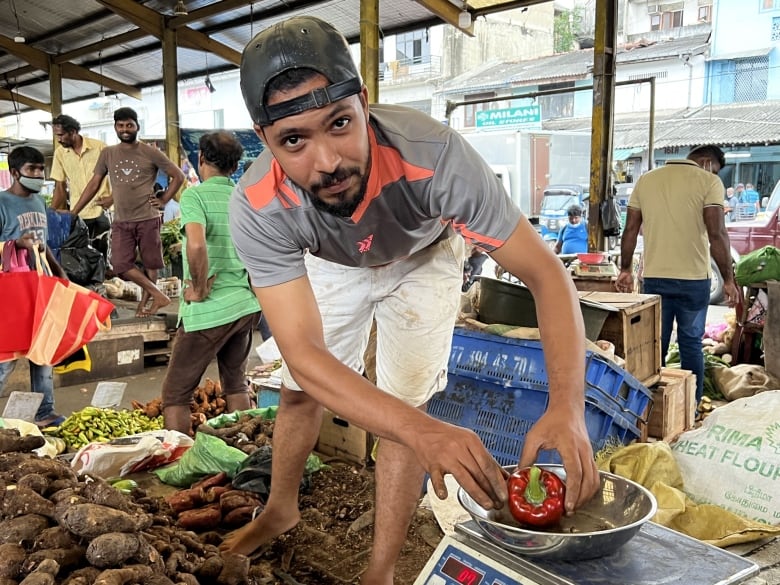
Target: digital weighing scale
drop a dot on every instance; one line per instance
(655, 556)
(606, 269)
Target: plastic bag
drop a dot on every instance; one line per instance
(255, 473)
(758, 266)
(132, 453)
(610, 217)
(208, 456)
(228, 418)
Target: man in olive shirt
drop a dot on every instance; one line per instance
(132, 167)
(218, 309)
(72, 167)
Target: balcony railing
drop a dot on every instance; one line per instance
(404, 70)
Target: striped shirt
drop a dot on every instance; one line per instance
(231, 297)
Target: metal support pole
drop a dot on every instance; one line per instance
(369, 47)
(604, 59)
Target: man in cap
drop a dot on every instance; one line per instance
(353, 214)
(132, 167)
(679, 208)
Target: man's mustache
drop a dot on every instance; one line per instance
(330, 179)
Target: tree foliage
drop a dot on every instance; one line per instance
(568, 25)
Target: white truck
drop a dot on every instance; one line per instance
(529, 160)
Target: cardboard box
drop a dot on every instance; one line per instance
(340, 438)
(635, 330)
(674, 404)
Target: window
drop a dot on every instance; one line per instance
(672, 19)
(413, 47)
(705, 13)
(559, 105)
(770, 4)
(219, 118)
(655, 22)
(470, 111)
(775, 35)
(750, 79)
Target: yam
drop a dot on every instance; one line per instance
(12, 557)
(44, 574)
(186, 499)
(239, 516)
(66, 558)
(23, 501)
(36, 482)
(206, 518)
(210, 569)
(237, 499)
(235, 570)
(22, 530)
(112, 549)
(92, 520)
(124, 576)
(84, 576)
(211, 481)
(55, 537)
(12, 441)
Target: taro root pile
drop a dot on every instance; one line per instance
(208, 401)
(57, 528)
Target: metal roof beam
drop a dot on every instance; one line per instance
(447, 11)
(72, 71)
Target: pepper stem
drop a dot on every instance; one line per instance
(534, 491)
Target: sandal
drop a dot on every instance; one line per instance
(54, 420)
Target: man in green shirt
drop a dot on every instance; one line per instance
(218, 309)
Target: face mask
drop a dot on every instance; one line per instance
(34, 184)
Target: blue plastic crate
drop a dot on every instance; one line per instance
(502, 416)
(519, 363)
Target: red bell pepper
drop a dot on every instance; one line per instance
(536, 496)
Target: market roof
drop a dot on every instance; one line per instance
(722, 124)
(569, 66)
(115, 45)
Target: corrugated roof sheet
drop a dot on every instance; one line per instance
(567, 66)
(724, 124)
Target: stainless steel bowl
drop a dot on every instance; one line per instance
(603, 525)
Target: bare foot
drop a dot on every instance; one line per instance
(141, 309)
(258, 532)
(158, 302)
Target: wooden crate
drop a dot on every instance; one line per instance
(340, 438)
(635, 330)
(674, 404)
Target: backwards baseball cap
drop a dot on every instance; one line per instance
(301, 42)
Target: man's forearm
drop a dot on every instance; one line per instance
(627, 247)
(719, 249)
(86, 196)
(198, 263)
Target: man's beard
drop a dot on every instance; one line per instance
(129, 140)
(342, 208)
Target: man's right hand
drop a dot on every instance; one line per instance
(443, 448)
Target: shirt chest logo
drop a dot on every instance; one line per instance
(364, 245)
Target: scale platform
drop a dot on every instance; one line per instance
(655, 556)
(605, 270)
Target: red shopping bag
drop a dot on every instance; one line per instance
(18, 289)
(67, 316)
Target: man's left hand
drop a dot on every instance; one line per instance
(191, 294)
(565, 431)
(731, 292)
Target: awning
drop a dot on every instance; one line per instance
(624, 153)
(749, 54)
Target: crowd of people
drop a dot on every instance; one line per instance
(742, 201)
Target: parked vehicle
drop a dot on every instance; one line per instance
(527, 161)
(760, 231)
(556, 201)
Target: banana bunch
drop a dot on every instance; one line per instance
(100, 425)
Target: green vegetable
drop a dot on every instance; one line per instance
(711, 361)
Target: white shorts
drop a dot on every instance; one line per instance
(414, 302)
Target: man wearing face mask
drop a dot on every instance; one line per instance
(677, 253)
(132, 168)
(23, 219)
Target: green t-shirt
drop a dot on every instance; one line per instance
(231, 296)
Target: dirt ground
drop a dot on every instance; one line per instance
(332, 544)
